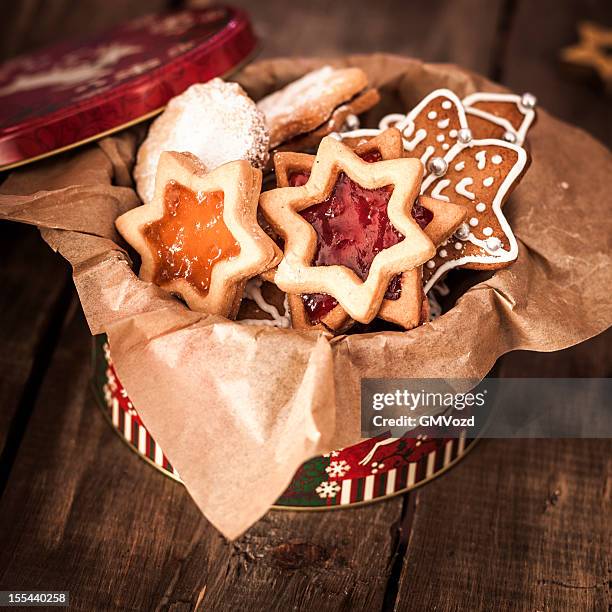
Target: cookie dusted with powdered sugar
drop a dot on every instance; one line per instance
(216, 121)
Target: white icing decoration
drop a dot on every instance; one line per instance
(487, 231)
(429, 151)
(527, 113)
(440, 137)
(488, 181)
(473, 221)
(458, 246)
(462, 185)
(442, 288)
(444, 123)
(481, 158)
(445, 146)
(432, 115)
(442, 253)
(497, 159)
(406, 123)
(441, 186)
(420, 135)
(252, 291)
(431, 264)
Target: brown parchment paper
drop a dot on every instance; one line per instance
(237, 408)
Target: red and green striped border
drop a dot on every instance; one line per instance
(400, 465)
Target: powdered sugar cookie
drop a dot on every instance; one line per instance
(308, 103)
(199, 237)
(216, 121)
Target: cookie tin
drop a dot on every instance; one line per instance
(76, 92)
(371, 470)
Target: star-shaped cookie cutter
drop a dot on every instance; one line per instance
(240, 185)
(296, 274)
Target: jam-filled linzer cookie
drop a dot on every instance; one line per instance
(308, 109)
(347, 228)
(199, 237)
(404, 297)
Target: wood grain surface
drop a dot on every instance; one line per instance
(517, 525)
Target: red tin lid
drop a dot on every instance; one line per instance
(73, 93)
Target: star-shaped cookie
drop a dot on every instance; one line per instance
(389, 186)
(199, 238)
(404, 297)
(592, 51)
(479, 175)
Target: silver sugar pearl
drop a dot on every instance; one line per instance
(528, 101)
(510, 137)
(493, 243)
(351, 122)
(464, 135)
(462, 232)
(437, 166)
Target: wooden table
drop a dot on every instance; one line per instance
(517, 525)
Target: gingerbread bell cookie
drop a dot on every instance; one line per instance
(302, 113)
(216, 121)
(199, 238)
(349, 252)
(403, 302)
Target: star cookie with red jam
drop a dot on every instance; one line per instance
(199, 237)
(404, 299)
(347, 228)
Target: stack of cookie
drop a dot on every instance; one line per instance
(357, 224)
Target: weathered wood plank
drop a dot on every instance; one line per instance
(33, 281)
(539, 31)
(119, 535)
(518, 525)
(85, 514)
(462, 32)
(330, 560)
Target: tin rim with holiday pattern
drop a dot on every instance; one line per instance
(363, 473)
